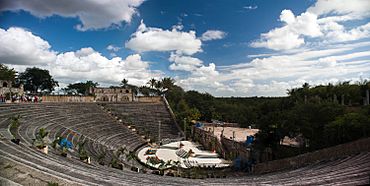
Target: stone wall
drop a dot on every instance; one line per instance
(208, 140)
(6, 87)
(115, 94)
(339, 151)
(224, 124)
(149, 99)
(227, 148)
(66, 98)
(235, 149)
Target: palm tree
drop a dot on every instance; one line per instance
(124, 82)
(152, 82)
(177, 164)
(364, 88)
(305, 91)
(168, 83)
(169, 162)
(162, 166)
(342, 90)
(159, 86)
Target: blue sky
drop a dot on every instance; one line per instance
(226, 48)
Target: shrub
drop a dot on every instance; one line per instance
(40, 138)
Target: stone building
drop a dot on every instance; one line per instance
(116, 94)
(6, 88)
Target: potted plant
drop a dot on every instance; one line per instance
(101, 158)
(82, 152)
(130, 156)
(64, 151)
(64, 146)
(14, 125)
(146, 133)
(55, 142)
(39, 142)
(177, 165)
(152, 139)
(115, 163)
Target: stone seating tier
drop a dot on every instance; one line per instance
(103, 133)
(145, 117)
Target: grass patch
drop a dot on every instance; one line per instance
(52, 184)
(8, 166)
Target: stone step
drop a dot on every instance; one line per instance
(6, 134)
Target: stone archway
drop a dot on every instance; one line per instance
(124, 99)
(105, 98)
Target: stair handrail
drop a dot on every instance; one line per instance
(172, 115)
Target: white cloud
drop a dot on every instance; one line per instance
(213, 35)
(204, 79)
(326, 20)
(273, 75)
(178, 26)
(87, 64)
(208, 71)
(287, 16)
(337, 32)
(19, 46)
(184, 63)
(327, 62)
(157, 39)
(250, 7)
(20, 49)
(113, 48)
(355, 9)
(292, 34)
(93, 14)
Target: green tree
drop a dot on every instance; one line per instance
(348, 127)
(81, 88)
(6, 73)
(144, 90)
(35, 80)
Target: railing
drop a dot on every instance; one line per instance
(172, 115)
(339, 151)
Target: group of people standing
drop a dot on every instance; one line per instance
(2, 98)
(23, 98)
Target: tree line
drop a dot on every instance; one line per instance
(34, 80)
(323, 115)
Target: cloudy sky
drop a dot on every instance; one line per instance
(226, 48)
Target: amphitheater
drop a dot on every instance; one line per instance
(104, 128)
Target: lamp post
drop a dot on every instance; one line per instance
(185, 127)
(159, 132)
